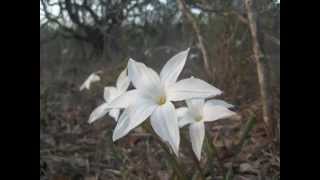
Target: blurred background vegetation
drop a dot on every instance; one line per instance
(78, 37)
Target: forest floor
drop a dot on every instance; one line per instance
(72, 149)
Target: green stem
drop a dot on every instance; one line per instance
(172, 158)
(210, 153)
(248, 127)
(229, 174)
(194, 157)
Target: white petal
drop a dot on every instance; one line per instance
(84, 86)
(181, 111)
(171, 70)
(110, 93)
(133, 116)
(121, 128)
(191, 88)
(99, 112)
(91, 79)
(216, 102)
(212, 113)
(165, 123)
(140, 110)
(197, 132)
(186, 119)
(141, 76)
(114, 113)
(123, 81)
(195, 103)
(124, 100)
(95, 77)
(195, 106)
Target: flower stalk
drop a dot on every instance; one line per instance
(210, 150)
(194, 158)
(172, 158)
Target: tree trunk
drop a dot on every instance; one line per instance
(262, 68)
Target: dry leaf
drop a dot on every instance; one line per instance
(247, 168)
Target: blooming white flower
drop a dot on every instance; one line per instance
(91, 79)
(198, 112)
(153, 98)
(110, 93)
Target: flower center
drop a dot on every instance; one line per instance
(162, 100)
(198, 118)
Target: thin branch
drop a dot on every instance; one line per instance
(185, 10)
(92, 13)
(272, 38)
(72, 33)
(245, 21)
(240, 17)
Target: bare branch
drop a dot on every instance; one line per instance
(242, 18)
(183, 7)
(55, 20)
(92, 13)
(272, 38)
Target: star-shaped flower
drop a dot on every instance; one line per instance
(198, 112)
(153, 98)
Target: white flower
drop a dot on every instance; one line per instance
(110, 93)
(153, 98)
(91, 79)
(197, 113)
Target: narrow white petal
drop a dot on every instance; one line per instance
(141, 76)
(114, 113)
(184, 116)
(121, 128)
(95, 77)
(133, 116)
(140, 110)
(110, 93)
(195, 103)
(83, 86)
(99, 112)
(195, 106)
(171, 70)
(124, 100)
(159, 127)
(91, 79)
(216, 102)
(123, 81)
(197, 132)
(212, 113)
(186, 119)
(181, 111)
(191, 88)
(165, 123)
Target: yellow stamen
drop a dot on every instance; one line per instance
(162, 100)
(199, 118)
